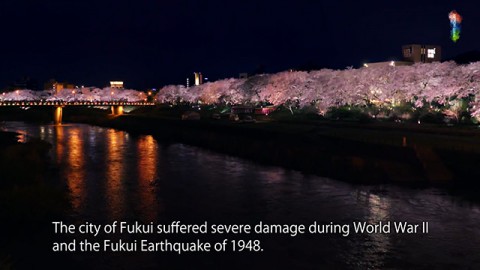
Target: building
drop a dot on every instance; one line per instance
(116, 84)
(198, 78)
(417, 53)
(58, 86)
(412, 54)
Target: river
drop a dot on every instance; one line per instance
(112, 175)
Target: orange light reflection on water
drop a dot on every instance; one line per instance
(147, 156)
(76, 173)
(59, 147)
(114, 174)
(22, 136)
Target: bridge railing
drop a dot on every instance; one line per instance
(28, 103)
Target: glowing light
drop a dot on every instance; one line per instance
(198, 78)
(455, 21)
(116, 84)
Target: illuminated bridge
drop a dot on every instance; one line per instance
(116, 106)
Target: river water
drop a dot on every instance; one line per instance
(115, 176)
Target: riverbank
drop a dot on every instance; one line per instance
(355, 152)
(7, 138)
(30, 198)
(352, 151)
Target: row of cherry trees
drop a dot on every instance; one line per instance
(443, 86)
(77, 94)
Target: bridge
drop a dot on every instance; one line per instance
(116, 106)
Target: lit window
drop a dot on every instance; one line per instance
(407, 52)
(431, 53)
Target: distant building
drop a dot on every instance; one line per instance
(59, 86)
(413, 53)
(416, 53)
(198, 78)
(116, 84)
(52, 84)
(49, 84)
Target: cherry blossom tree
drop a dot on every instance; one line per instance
(434, 86)
(77, 94)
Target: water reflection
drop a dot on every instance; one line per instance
(76, 164)
(148, 182)
(273, 176)
(43, 134)
(59, 139)
(114, 165)
(378, 244)
(22, 136)
(113, 176)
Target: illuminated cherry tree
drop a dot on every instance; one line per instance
(90, 94)
(435, 86)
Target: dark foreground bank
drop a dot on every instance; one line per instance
(30, 198)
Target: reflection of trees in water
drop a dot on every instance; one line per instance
(370, 251)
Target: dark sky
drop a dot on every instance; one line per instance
(151, 43)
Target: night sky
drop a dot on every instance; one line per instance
(151, 43)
